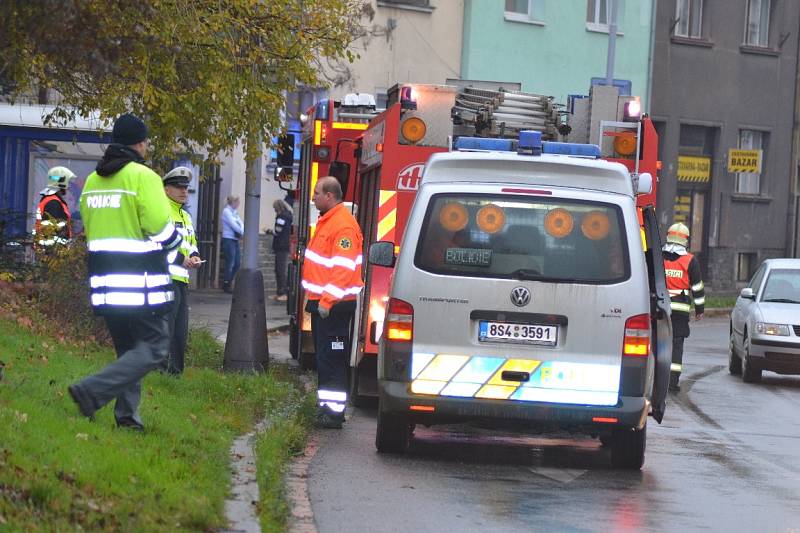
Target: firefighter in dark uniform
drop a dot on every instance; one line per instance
(685, 285)
(332, 279)
(53, 217)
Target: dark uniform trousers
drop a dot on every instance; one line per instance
(680, 330)
(178, 329)
(142, 344)
(332, 342)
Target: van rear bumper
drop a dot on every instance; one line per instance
(630, 412)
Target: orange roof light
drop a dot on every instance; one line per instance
(413, 129)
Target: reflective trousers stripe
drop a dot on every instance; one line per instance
(132, 298)
(679, 306)
(675, 367)
(336, 396)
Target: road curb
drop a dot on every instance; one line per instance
(283, 328)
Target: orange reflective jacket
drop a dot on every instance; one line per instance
(332, 261)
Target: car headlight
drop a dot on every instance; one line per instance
(765, 328)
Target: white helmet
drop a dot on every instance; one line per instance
(59, 178)
(180, 176)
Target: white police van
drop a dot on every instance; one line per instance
(526, 295)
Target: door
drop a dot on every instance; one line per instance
(661, 327)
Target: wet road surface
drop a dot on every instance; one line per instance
(725, 459)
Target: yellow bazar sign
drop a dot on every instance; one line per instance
(744, 160)
(694, 168)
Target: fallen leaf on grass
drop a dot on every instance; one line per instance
(2, 520)
(22, 417)
(82, 436)
(193, 417)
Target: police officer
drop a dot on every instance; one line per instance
(128, 229)
(685, 285)
(53, 218)
(176, 185)
(332, 279)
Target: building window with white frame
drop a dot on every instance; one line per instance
(756, 28)
(689, 19)
(598, 14)
(750, 182)
(525, 10)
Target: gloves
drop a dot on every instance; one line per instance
(323, 312)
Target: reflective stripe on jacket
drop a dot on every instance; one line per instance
(183, 223)
(126, 218)
(332, 260)
(49, 229)
(684, 283)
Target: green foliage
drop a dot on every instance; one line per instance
(206, 73)
(288, 425)
(719, 301)
(63, 293)
(203, 350)
(61, 472)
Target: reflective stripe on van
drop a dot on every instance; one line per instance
(482, 378)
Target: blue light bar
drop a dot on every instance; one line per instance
(577, 149)
(530, 142)
(483, 143)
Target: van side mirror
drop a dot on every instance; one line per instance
(644, 184)
(381, 253)
(748, 293)
(341, 171)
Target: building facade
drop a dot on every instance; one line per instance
(414, 41)
(557, 47)
(723, 101)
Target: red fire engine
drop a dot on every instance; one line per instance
(394, 150)
(331, 130)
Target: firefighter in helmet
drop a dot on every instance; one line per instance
(53, 218)
(685, 285)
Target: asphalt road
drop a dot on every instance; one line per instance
(725, 459)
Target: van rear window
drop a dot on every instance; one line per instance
(547, 239)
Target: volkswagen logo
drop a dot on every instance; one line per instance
(520, 296)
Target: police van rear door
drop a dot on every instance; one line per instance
(659, 312)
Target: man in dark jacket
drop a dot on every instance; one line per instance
(280, 246)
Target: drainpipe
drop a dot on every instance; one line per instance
(612, 43)
(651, 58)
(791, 245)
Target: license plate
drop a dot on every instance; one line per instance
(522, 333)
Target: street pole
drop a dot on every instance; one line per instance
(246, 347)
(612, 43)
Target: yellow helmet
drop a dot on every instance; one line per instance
(678, 233)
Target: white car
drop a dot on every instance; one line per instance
(765, 323)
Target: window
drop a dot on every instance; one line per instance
(525, 10)
(756, 29)
(689, 19)
(745, 266)
(750, 182)
(599, 13)
(502, 237)
(414, 3)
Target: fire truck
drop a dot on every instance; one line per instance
(421, 120)
(330, 135)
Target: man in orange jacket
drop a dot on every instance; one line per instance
(332, 279)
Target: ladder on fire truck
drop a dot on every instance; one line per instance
(503, 114)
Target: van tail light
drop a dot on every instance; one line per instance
(637, 336)
(399, 325)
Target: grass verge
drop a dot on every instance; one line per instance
(718, 302)
(59, 471)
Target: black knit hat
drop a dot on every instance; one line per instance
(128, 130)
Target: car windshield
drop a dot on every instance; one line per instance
(523, 238)
(783, 286)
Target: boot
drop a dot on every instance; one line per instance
(673, 381)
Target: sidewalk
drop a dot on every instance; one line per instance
(211, 308)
